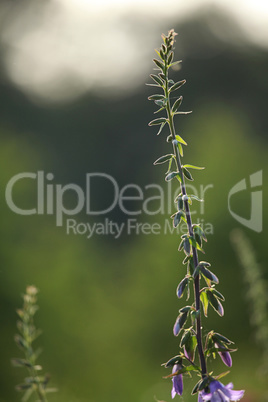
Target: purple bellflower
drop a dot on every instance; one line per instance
(220, 393)
(177, 381)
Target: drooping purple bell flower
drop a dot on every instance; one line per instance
(220, 393)
(177, 381)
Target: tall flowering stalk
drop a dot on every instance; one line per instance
(208, 386)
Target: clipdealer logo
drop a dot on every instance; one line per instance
(256, 205)
(149, 200)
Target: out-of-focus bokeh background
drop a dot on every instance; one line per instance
(73, 101)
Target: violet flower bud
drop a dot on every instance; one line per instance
(225, 356)
(177, 381)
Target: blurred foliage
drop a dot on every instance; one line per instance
(107, 306)
(257, 294)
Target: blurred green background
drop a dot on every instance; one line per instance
(74, 101)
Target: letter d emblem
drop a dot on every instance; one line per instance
(255, 220)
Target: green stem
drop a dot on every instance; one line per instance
(30, 356)
(190, 231)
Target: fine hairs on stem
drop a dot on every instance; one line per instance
(208, 386)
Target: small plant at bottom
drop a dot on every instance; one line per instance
(192, 342)
(35, 383)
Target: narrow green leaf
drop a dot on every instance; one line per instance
(190, 346)
(198, 239)
(180, 321)
(180, 139)
(198, 230)
(175, 63)
(177, 104)
(157, 79)
(183, 112)
(219, 337)
(186, 369)
(170, 58)
(185, 336)
(180, 149)
(191, 266)
(218, 294)
(163, 159)
(153, 85)
(177, 218)
(185, 309)
(174, 360)
(171, 176)
(203, 384)
(196, 388)
(161, 128)
(179, 200)
(159, 64)
(193, 167)
(161, 104)
(218, 377)
(186, 259)
(209, 340)
(195, 244)
(181, 245)
(156, 122)
(195, 314)
(157, 52)
(204, 300)
(204, 264)
(164, 48)
(161, 53)
(220, 349)
(187, 246)
(208, 274)
(187, 174)
(156, 97)
(177, 85)
(215, 303)
(178, 177)
(183, 319)
(194, 197)
(169, 165)
(169, 48)
(183, 370)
